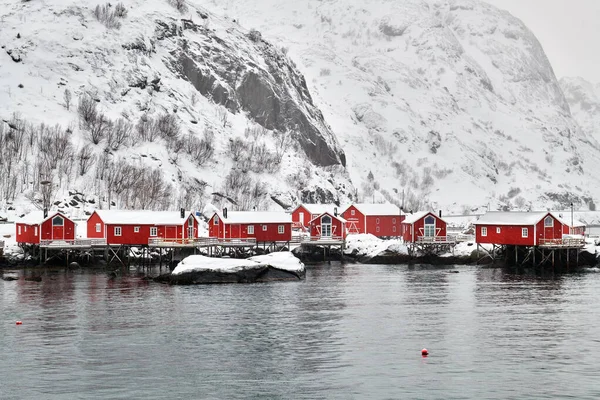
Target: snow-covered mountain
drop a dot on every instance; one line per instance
(584, 101)
(158, 105)
(444, 104)
(452, 101)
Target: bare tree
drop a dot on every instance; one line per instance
(67, 98)
(86, 159)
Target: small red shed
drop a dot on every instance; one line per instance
(304, 213)
(518, 228)
(135, 228)
(34, 228)
(327, 226)
(264, 226)
(377, 219)
(423, 226)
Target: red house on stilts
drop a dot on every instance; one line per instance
(424, 227)
(251, 226)
(520, 228)
(327, 227)
(35, 228)
(141, 228)
(304, 213)
(381, 220)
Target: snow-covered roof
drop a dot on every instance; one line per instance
(512, 218)
(142, 217)
(376, 209)
(37, 217)
(412, 218)
(318, 208)
(257, 217)
(566, 220)
(330, 214)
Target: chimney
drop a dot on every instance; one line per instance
(45, 213)
(335, 211)
(225, 212)
(440, 213)
(182, 212)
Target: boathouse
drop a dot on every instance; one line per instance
(327, 226)
(259, 226)
(519, 228)
(381, 220)
(424, 226)
(305, 213)
(37, 227)
(140, 228)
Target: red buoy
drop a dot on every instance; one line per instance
(424, 353)
(19, 323)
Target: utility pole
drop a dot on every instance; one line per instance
(571, 228)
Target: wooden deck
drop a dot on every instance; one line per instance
(322, 241)
(73, 244)
(564, 243)
(436, 239)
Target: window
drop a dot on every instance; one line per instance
(548, 222)
(19, 230)
(524, 232)
(393, 220)
(393, 229)
(250, 229)
(216, 220)
(326, 226)
(98, 227)
(429, 226)
(498, 230)
(153, 231)
(35, 231)
(352, 212)
(280, 229)
(136, 229)
(191, 221)
(484, 231)
(58, 221)
(377, 229)
(117, 231)
(301, 218)
(377, 221)
(264, 228)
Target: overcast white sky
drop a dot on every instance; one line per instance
(569, 31)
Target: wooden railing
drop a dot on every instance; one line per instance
(563, 242)
(73, 243)
(321, 239)
(203, 241)
(462, 238)
(155, 241)
(436, 239)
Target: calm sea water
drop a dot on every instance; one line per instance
(347, 332)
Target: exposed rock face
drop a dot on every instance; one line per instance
(255, 78)
(584, 101)
(249, 275)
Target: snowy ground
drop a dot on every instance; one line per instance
(8, 235)
(281, 260)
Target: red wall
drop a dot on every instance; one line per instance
(296, 215)
(356, 222)
(27, 234)
(240, 231)
(509, 235)
(337, 227)
(389, 225)
(91, 227)
(411, 232)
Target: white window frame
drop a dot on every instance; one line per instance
(136, 229)
(264, 228)
(35, 231)
(549, 218)
(118, 231)
(524, 232)
(394, 228)
(280, 229)
(393, 220)
(98, 227)
(484, 231)
(19, 230)
(352, 212)
(377, 229)
(377, 221)
(250, 229)
(154, 231)
(216, 220)
(497, 229)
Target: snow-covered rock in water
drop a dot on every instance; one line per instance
(365, 247)
(264, 268)
(452, 101)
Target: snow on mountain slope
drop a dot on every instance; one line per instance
(451, 101)
(584, 101)
(179, 109)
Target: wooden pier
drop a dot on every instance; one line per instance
(432, 245)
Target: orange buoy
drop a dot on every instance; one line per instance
(19, 323)
(424, 353)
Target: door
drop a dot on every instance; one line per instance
(235, 231)
(190, 228)
(171, 232)
(549, 228)
(58, 228)
(326, 226)
(301, 218)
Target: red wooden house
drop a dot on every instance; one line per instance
(263, 226)
(304, 213)
(327, 226)
(136, 228)
(376, 219)
(34, 228)
(519, 228)
(423, 227)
